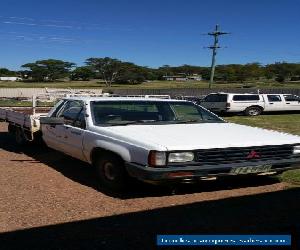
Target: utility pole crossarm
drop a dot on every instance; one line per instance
(216, 33)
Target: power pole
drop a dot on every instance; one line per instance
(216, 33)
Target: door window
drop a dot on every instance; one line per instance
(246, 98)
(216, 98)
(274, 98)
(57, 108)
(73, 114)
(80, 121)
(291, 98)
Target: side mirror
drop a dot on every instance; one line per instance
(52, 120)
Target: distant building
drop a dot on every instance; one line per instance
(10, 78)
(195, 77)
(295, 78)
(175, 78)
(183, 77)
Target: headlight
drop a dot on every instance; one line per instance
(181, 157)
(296, 150)
(157, 158)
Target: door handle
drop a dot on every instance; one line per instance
(271, 103)
(288, 103)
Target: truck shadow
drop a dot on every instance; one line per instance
(269, 213)
(83, 173)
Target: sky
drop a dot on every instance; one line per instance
(149, 33)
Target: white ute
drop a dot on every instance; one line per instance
(159, 140)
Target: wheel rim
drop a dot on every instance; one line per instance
(109, 171)
(253, 112)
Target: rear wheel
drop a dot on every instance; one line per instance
(111, 172)
(19, 136)
(253, 111)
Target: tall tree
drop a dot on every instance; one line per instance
(109, 68)
(7, 72)
(131, 73)
(49, 69)
(282, 70)
(82, 73)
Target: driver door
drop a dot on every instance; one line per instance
(53, 134)
(73, 129)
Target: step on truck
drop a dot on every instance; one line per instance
(155, 140)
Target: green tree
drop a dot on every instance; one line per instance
(282, 70)
(108, 68)
(82, 73)
(131, 73)
(35, 71)
(7, 72)
(239, 72)
(49, 70)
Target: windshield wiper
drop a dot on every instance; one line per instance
(187, 121)
(197, 121)
(125, 123)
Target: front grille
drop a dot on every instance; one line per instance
(240, 155)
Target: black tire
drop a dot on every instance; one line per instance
(253, 111)
(20, 137)
(111, 172)
(11, 129)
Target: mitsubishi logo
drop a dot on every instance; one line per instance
(253, 154)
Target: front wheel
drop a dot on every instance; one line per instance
(111, 172)
(253, 111)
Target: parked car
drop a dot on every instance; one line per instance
(250, 104)
(194, 99)
(155, 140)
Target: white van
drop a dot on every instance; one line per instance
(250, 104)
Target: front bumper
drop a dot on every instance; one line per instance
(180, 173)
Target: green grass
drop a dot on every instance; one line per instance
(292, 176)
(289, 123)
(16, 103)
(145, 85)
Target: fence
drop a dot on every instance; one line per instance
(29, 92)
(201, 92)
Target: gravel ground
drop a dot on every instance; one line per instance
(51, 201)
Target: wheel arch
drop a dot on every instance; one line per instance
(255, 106)
(98, 151)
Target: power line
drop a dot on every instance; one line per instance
(216, 33)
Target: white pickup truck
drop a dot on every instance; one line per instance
(159, 140)
(250, 104)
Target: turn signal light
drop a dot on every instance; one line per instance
(157, 159)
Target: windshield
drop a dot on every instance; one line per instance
(117, 113)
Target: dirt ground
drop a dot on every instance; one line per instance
(51, 201)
